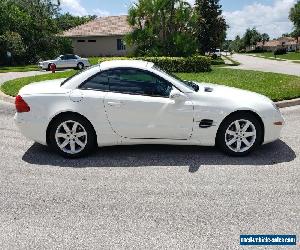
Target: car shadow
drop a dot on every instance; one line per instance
(161, 155)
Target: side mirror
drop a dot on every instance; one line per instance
(177, 95)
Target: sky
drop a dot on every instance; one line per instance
(269, 16)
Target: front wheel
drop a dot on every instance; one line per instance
(240, 134)
(72, 136)
(80, 66)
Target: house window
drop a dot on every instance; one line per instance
(80, 41)
(121, 45)
(91, 41)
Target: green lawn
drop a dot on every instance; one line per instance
(288, 56)
(18, 68)
(12, 87)
(276, 86)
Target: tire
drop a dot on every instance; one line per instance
(80, 66)
(72, 141)
(49, 67)
(239, 134)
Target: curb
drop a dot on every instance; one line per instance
(6, 98)
(288, 103)
(281, 104)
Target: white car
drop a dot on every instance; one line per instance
(65, 62)
(135, 102)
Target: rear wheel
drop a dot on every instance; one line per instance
(72, 136)
(240, 134)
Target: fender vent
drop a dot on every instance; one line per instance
(208, 89)
(206, 123)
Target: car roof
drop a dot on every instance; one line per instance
(139, 64)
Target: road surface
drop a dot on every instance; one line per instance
(255, 63)
(146, 197)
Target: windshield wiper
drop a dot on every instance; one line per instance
(193, 85)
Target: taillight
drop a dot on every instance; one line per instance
(21, 105)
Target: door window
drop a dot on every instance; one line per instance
(138, 82)
(97, 82)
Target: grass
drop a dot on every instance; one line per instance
(12, 87)
(276, 86)
(289, 56)
(5, 69)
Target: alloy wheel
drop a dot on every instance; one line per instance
(71, 137)
(240, 136)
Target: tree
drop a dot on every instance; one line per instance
(11, 42)
(251, 37)
(212, 27)
(237, 44)
(162, 27)
(295, 18)
(67, 21)
(265, 38)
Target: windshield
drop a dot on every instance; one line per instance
(189, 84)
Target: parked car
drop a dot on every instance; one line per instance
(65, 62)
(135, 102)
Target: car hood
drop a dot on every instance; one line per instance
(45, 87)
(230, 94)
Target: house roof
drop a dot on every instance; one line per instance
(101, 26)
(279, 42)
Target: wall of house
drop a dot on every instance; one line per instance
(98, 46)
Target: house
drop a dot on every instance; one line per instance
(103, 36)
(289, 43)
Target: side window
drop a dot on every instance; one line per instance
(97, 82)
(162, 88)
(133, 81)
(63, 58)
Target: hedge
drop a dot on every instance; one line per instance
(172, 64)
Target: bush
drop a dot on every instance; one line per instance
(280, 51)
(172, 64)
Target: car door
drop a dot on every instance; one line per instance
(72, 61)
(138, 107)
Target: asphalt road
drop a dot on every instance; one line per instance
(255, 63)
(13, 75)
(153, 197)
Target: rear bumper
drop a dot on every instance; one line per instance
(31, 128)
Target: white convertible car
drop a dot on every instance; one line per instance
(66, 62)
(135, 102)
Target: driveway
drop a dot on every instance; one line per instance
(146, 197)
(261, 64)
(13, 75)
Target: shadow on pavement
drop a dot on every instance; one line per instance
(161, 155)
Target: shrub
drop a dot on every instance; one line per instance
(280, 51)
(218, 61)
(172, 64)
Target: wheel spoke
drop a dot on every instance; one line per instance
(72, 144)
(64, 144)
(246, 126)
(230, 132)
(249, 134)
(247, 143)
(237, 125)
(74, 128)
(80, 143)
(233, 140)
(66, 128)
(80, 134)
(238, 145)
(61, 135)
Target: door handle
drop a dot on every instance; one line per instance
(115, 104)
